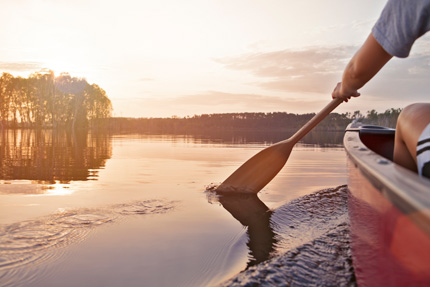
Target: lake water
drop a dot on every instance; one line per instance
(133, 210)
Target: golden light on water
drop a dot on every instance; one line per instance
(57, 189)
(33, 188)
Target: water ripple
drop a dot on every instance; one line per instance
(34, 241)
(313, 234)
(143, 207)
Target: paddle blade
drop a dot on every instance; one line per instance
(258, 171)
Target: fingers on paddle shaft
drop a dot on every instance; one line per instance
(258, 171)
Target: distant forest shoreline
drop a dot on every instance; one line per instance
(230, 122)
(246, 122)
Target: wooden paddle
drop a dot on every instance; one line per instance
(259, 170)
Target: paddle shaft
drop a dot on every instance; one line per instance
(315, 120)
(259, 170)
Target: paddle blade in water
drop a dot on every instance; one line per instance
(259, 170)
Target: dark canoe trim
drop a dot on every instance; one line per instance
(406, 190)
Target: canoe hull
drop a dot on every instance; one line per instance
(390, 238)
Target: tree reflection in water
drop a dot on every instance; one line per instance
(52, 156)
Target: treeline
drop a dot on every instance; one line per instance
(386, 119)
(45, 101)
(248, 122)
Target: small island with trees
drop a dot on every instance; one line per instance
(45, 101)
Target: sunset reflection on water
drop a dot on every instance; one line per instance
(168, 226)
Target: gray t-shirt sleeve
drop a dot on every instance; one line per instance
(400, 24)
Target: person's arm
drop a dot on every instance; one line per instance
(365, 64)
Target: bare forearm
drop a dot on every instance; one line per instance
(354, 77)
(363, 66)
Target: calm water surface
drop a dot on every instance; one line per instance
(133, 210)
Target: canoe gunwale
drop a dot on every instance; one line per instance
(406, 190)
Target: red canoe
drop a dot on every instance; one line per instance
(389, 209)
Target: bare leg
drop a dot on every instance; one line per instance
(410, 124)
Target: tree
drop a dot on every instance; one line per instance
(357, 115)
(6, 90)
(43, 100)
(98, 104)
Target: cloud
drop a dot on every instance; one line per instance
(221, 101)
(318, 69)
(20, 66)
(402, 79)
(314, 69)
(215, 102)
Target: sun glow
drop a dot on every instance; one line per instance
(145, 54)
(57, 189)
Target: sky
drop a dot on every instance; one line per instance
(164, 58)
